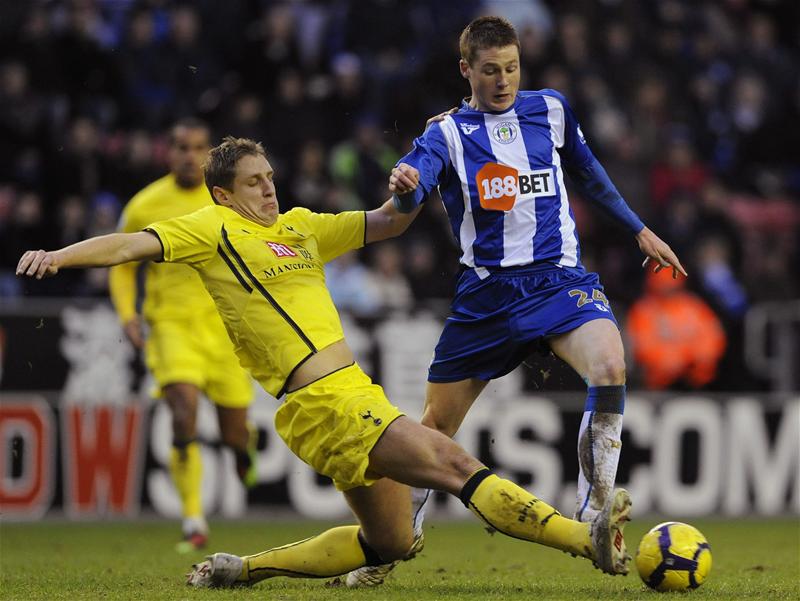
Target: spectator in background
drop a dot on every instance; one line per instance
(310, 180)
(718, 278)
(425, 275)
(86, 70)
(364, 161)
(34, 44)
(71, 227)
(625, 165)
(79, 166)
(293, 119)
(270, 48)
(351, 285)
(649, 114)
(133, 161)
(339, 197)
(384, 34)
(26, 226)
(22, 119)
(244, 118)
(713, 218)
(676, 338)
(680, 171)
(9, 288)
(72, 220)
(194, 67)
(572, 44)
(347, 100)
(146, 73)
(102, 219)
(391, 284)
(620, 59)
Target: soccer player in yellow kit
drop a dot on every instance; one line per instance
(265, 273)
(187, 349)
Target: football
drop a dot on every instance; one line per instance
(673, 557)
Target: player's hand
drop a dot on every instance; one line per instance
(135, 331)
(659, 252)
(38, 264)
(440, 117)
(404, 179)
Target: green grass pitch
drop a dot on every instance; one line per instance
(753, 559)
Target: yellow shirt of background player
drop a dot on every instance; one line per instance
(268, 283)
(172, 290)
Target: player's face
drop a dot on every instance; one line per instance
(253, 195)
(188, 151)
(493, 77)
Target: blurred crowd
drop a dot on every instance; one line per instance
(693, 107)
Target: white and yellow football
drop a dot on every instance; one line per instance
(673, 557)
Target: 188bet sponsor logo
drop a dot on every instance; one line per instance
(500, 186)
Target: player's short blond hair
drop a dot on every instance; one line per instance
(220, 166)
(486, 32)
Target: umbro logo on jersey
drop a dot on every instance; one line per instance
(468, 128)
(581, 137)
(281, 250)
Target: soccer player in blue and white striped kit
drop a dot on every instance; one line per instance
(499, 162)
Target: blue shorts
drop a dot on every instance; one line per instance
(495, 323)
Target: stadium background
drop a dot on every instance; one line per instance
(693, 108)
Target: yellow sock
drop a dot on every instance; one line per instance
(186, 467)
(513, 511)
(334, 552)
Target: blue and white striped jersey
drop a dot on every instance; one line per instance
(501, 179)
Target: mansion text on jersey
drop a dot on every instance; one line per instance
(279, 269)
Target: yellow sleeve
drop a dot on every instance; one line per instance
(122, 288)
(134, 216)
(190, 239)
(337, 233)
(122, 278)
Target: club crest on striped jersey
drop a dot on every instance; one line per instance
(281, 250)
(505, 132)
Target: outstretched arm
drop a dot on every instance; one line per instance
(101, 251)
(387, 222)
(594, 183)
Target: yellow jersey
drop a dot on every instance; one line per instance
(268, 283)
(171, 290)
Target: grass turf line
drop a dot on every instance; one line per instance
(753, 559)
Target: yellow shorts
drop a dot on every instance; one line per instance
(199, 352)
(333, 423)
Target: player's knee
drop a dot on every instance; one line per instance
(183, 421)
(607, 371)
(183, 430)
(234, 436)
(439, 422)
